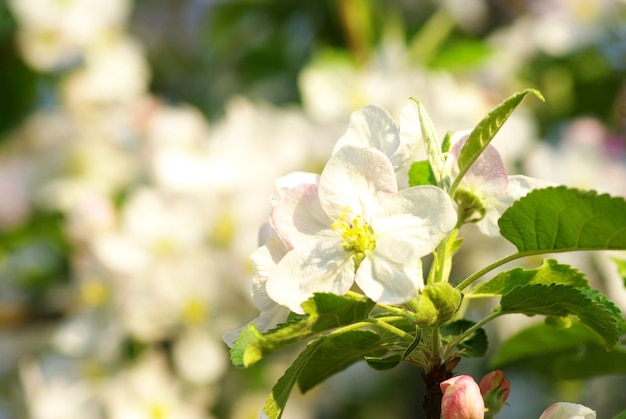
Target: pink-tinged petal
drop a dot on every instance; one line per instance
(461, 399)
(371, 126)
(421, 216)
(356, 178)
(298, 216)
(392, 273)
(488, 173)
(284, 184)
(319, 266)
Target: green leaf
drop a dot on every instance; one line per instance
(573, 353)
(383, 363)
(593, 361)
(431, 144)
(462, 54)
(621, 415)
(324, 312)
(277, 400)
(591, 307)
(563, 219)
(539, 340)
(621, 268)
(474, 345)
(420, 173)
(550, 272)
(337, 352)
(487, 128)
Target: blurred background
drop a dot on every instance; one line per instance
(139, 143)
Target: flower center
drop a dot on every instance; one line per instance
(357, 234)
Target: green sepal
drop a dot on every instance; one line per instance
(550, 272)
(323, 312)
(592, 308)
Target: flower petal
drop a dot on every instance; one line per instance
(356, 178)
(319, 266)
(518, 186)
(421, 216)
(488, 173)
(371, 126)
(299, 216)
(392, 273)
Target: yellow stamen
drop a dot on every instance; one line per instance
(357, 234)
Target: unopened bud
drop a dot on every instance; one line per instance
(495, 388)
(461, 399)
(437, 303)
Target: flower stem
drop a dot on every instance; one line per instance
(453, 343)
(470, 279)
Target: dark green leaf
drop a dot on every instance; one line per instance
(591, 307)
(420, 173)
(481, 136)
(382, 363)
(562, 219)
(474, 345)
(573, 353)
(539, 340)
(550, 272)
(337, 352)
(324, 312)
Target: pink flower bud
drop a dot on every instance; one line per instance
(564, 410)
(495, 388)
(461, 399)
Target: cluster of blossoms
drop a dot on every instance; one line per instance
(352, 228)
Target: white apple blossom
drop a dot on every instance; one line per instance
(565, 410)
(372, 126)
(355, 226)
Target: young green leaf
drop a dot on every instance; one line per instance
(276, 402)
(591, 307)
(563, 219)
(420, 173)
(431, 144)
(486, 129)
(550, 272)
(336, 352)
(324, 312)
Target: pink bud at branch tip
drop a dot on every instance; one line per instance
(461, 399)
(495, 388)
